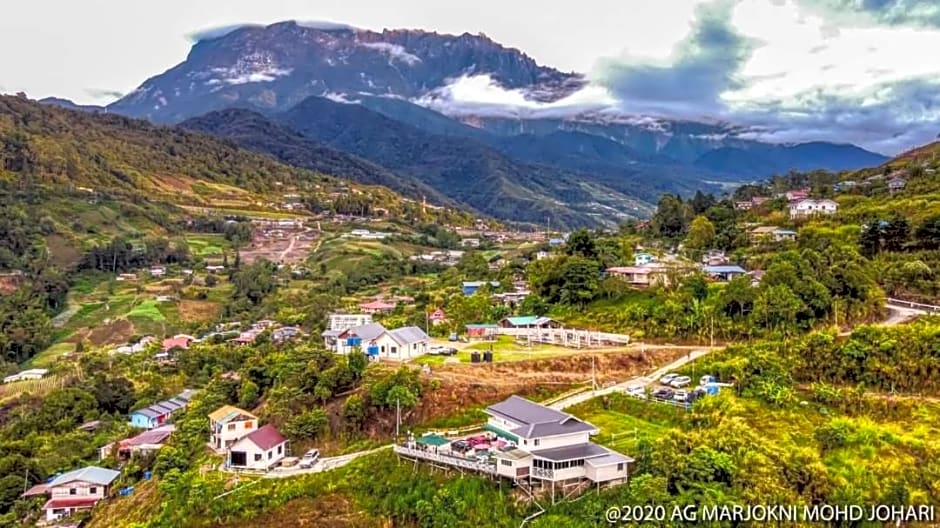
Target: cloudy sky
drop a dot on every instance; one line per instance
(861, 71)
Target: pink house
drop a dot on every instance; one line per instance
(181, 342)
(437, 317)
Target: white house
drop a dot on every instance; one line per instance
(78, 490)
(344, 341)
(229, 424)
(342, 321)
(809, 207)
(538, 443)
(30, 374)
(401, 343)
(261, 449)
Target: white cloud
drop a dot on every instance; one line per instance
(394, 51)
(480, 95)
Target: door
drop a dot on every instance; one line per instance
(238, 458)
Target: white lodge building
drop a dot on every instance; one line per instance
(540, 447)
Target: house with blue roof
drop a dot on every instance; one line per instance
(471, 287)
(77, 490)
(724, 273)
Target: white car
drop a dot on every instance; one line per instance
(309, 459)
(681, 381)
(638, 391)
(680, 396)
(668, 378)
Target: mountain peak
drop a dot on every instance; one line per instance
(276, 66)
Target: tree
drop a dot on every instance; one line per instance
(581, 243)
(927, 233)
(308, 424)
(896, 233)
(247, 393)
(701, 234)
(354, 412)
(114, 394)
(400, 395)
(672, 217)
(357, 362)
(473, 266)
(701, 202)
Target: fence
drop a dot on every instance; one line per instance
(483, 467)
(914, 305)
(566, 337)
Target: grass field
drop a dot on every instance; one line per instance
(505, 349)
(207, 245)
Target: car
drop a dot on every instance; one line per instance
(681, 381)
(680, 396)
(448, 351)
(309, 459)
(697, 393)
(706, 379)
(460, 446)
(663, 393)
(638, 391)
(668, 378)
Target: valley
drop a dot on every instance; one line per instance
(314, 275)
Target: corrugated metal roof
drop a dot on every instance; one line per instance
(366, 332)
(265, 437)
(94, 474)
(723, 269)
(408, 335)
(572, 452)
(609, 459)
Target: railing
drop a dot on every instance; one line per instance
(464, 463)
(543, 473)
(914, 305)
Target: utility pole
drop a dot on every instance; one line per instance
(397, 416)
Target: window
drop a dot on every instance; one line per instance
(249, 424)
(620, 466)
(231, 427)
(270, 454)
(506, 462)
(93, 490)
(535, 442)
(73, 491)
(394, 350)
(257, 457)
(280, 449)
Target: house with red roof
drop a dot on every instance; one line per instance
(179, 342)
(76, 490)
(261, 449)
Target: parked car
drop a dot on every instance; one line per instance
(681, 381)
(460, 446)
(638, 391)
(309, 459)
(448, 351)
(697, 393)
(706, 379)
(680, 396)
(668, 378)
(663, 393)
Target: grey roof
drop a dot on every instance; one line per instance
(93, 474)
(331, 333)
(408, 335)
(366, 332)
(537, 420)
(572, 425)
(609, 459)
(149, 412)
(572, 452)
(186, 395)
(512, 454)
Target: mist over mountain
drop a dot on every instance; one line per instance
(387, 101)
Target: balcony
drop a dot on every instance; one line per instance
(543, 473)
(450, 460)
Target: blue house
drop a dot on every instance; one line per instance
(159, 413)
(469, 288)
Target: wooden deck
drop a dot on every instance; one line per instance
(566, 337)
